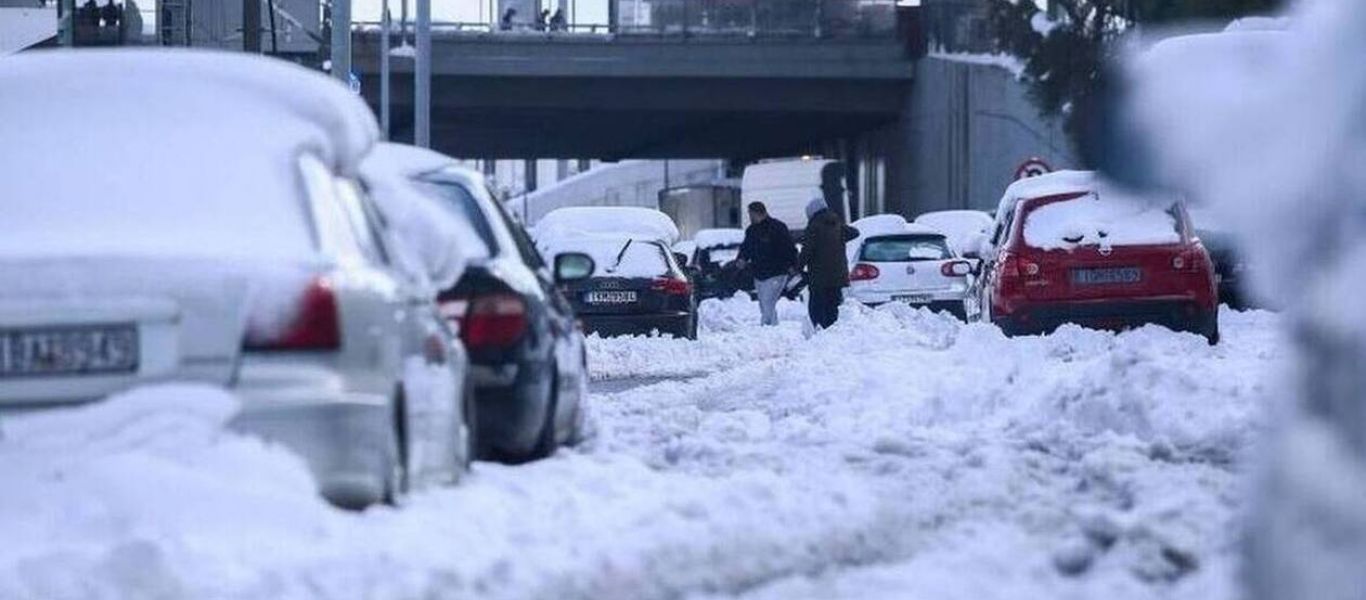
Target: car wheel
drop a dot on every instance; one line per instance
(396, 478)
(1210, 329)
(546, 443)
(471, 427)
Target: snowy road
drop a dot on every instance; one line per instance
(898, 455)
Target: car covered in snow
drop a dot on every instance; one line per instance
(633, 285)
(1068, 248)
(221, 236)
(711, 263)
(528, 361)
(964, 229)
(895, 261)
(642, 223)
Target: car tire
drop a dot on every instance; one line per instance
(1210, 329)
(471, 413)
(396, 478)
(546, 442)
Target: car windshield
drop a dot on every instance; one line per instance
(905, 248)
(460, 203)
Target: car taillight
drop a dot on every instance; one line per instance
(672, 287)
(315, 326)
(864, 272)
(494, 321)
(1015, 266)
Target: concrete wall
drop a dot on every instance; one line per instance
(968, 125)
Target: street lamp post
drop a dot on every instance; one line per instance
(422, 91)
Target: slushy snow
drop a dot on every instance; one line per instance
(898, 454)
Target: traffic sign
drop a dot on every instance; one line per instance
(1033, 167)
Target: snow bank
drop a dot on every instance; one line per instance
(623, 221)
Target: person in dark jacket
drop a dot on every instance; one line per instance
(771, 256)
(827, 267)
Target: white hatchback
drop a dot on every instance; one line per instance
(187, 216)
(913, 265)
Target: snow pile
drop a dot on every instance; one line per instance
(623, 221)
(707, 239)
(144, 495)
(1099, 219)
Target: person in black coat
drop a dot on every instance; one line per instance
(826, 263)
(771, 257)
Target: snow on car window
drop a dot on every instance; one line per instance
(617, 257)
(722, 256)
(1100, 219)
(906, 249)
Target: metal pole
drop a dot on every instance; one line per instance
(422, 91)
(384, 23)
(66, 33)
(251, 26)
(341, 40)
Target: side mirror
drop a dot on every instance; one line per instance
(957, 268)
(573, 266)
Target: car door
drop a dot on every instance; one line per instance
(433, 368)
(986, 279)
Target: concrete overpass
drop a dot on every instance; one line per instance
(534, 95)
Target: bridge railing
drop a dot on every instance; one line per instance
(707, 18)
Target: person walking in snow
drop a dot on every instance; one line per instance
(771, 256)
(823, 257)
(505, 23)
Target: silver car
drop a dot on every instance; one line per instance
(214, 233)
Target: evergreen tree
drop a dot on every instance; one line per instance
(1064, 55)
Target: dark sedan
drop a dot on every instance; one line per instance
(528, 359)
(637, 288)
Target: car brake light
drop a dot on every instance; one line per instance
(672, 287)
(316, 325)
(956, 268)
(864, 272)
(494, 321)
(1014, 266)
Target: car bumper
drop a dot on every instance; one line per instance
(944, 301)
(1181, 314)
(512, 400)
(678, 324)
(347, 439)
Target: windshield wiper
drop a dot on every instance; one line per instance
(620, 255)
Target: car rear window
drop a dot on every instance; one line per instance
(905, 248)
(1101, 218)
(460, 203)
(620, 258)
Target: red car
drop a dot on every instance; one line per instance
(1081, 256)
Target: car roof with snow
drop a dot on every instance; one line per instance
(707, 239)
(1057, 183)
(615, 221)
(145, 146)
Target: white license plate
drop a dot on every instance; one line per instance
(84, 350)
(611, 297)
(913, 298)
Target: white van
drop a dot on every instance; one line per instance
(787, 186)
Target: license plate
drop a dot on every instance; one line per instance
(610, 297)
(97, 349)
(913, 298)
(1107, 276)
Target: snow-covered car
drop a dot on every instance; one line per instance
(219, 235)
(896, 261)
(528, 360)
(637, 287)
(711, 264)
(964, 229)
(1067, 248)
